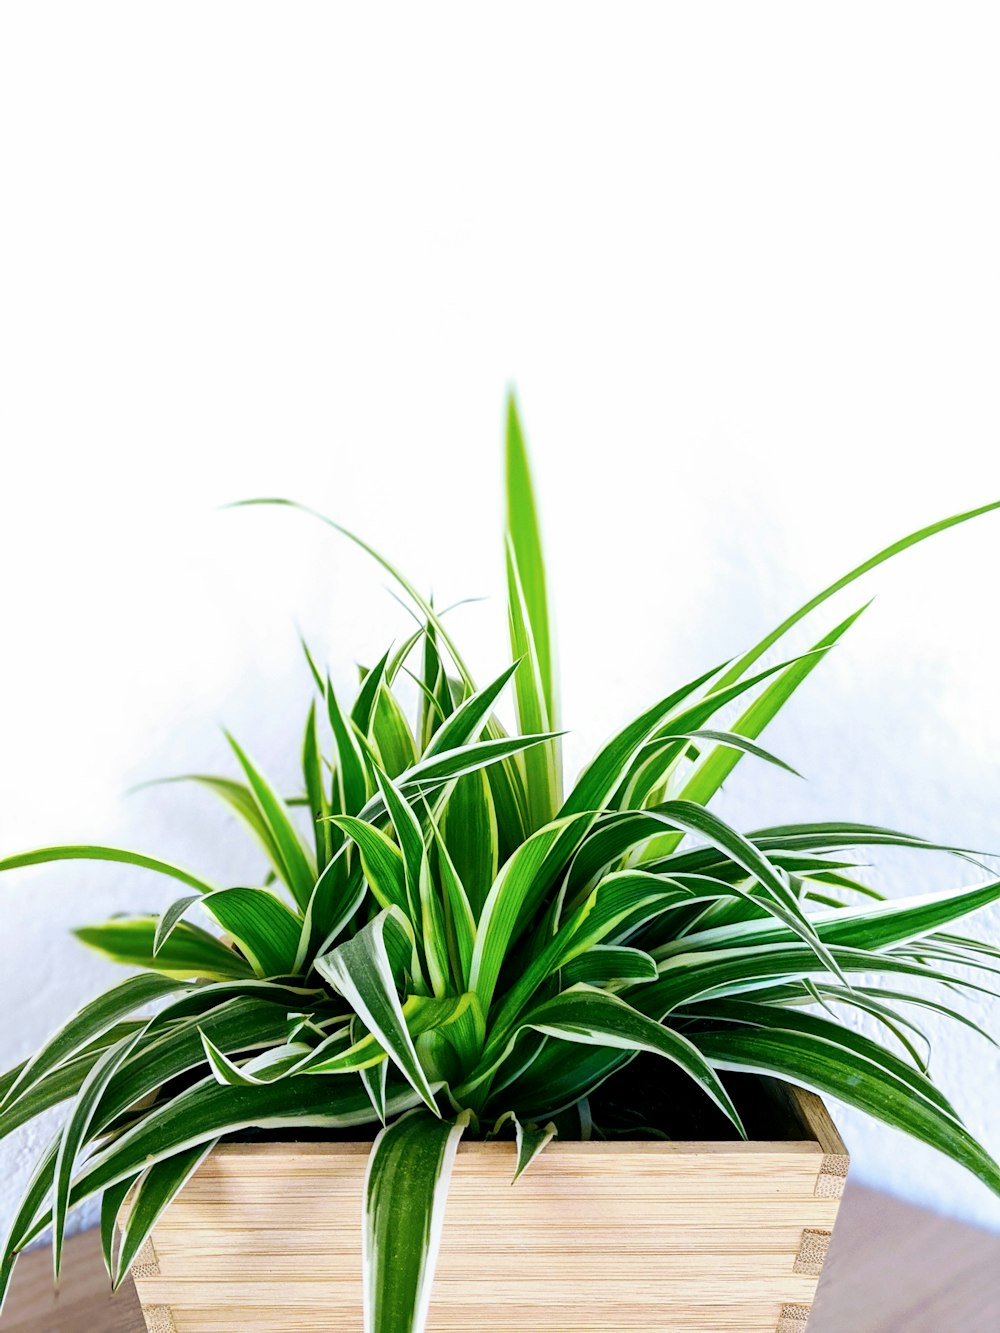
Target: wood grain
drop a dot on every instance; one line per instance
(892, 1268)
(632, 1236)
(83, 1304)
(635, 1237)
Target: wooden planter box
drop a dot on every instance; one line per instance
(594, 1238)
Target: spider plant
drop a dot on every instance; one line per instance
(445, 942)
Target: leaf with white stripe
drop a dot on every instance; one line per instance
(829, 1069)
(405, 1191)
(361, 970)
(158, 1187)
(90, 1022)
(296, 870)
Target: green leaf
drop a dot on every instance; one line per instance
(276, 1062)
(295, 868)
(781, 1019)
(312, 772)
(713, 771)
(688, 978)
(199, 999)
(225, 1070)
(267, 932)
(425, 907)
(236, 1026)
(450, 764)
(526, 546)
(469, 828)
(531, 1141)
(466, 723)
(865, 1001)
(508, 799)
(777, 899)
(759, 649)
(207, 1111)
(88, 1023)
(872, 926)
(363, 709)
(391, 733)
(361, 1055)
(374, 1079)
(381, 861)
(459, 917)
(240, 799)
(111, 1205)
(75, 1135)
(923, 1002)
(515, 895)
(65, 1080)
(339, 893)
(47, 854)
(189, 952)
(314, 670)
(8, 1080)
(361, 970)
(818, 1065)
(619, 904)
(158, 1187)
(422, 605)
(606, 770)
(405, 1190)
(351, 779)
(603, 964)
(38, 1190)
(733, 740)
(203, 1112)
(543, 778)
(436, 701)
(595, 1018)
(839, 834)
(264, 928)
(622, 902)
(169, 918)
(458, 1018)
(406, 826)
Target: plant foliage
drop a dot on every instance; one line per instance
(444, 940)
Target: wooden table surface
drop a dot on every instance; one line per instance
(892, 1269)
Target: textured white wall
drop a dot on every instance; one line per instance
(742, 262)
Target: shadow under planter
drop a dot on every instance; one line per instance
(625, 1236)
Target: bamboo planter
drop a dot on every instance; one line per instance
(627, 1237)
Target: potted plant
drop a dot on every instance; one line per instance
(448, 946)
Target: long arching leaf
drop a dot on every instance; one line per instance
(189, 952)
(820, 1066)
(85, 853)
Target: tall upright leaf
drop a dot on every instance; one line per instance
(526, 549)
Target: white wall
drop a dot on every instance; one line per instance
(742, 263)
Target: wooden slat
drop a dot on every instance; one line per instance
(892, 1268)
(598, 1236)
(632, 1237)
(198, 1249)
(523, 1319)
